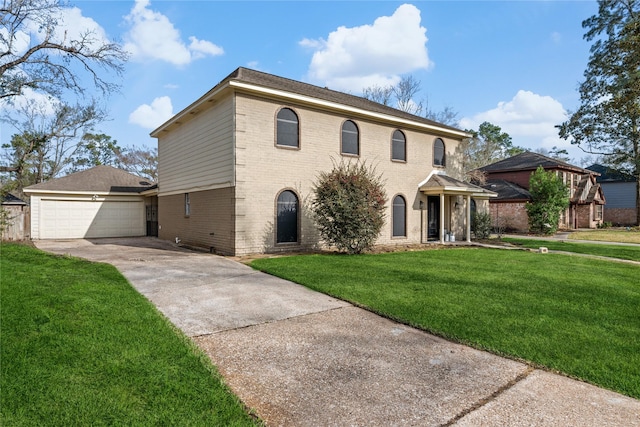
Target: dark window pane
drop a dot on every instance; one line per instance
(349, 138)
(399, 216)
(398, 146)
(287, 218)
(438, 153)
(287, 128)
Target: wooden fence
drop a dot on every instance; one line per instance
(18, 224)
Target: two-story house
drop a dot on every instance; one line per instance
(236, 168)
(510, 179)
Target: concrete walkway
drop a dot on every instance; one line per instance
(301, 358)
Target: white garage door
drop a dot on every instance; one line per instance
(64, 219)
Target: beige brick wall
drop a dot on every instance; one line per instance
(210, 224)
(263, 170)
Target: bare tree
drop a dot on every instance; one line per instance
(379, 94)
(51, 63)
(140, 161)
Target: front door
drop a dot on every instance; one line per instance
(433, 215)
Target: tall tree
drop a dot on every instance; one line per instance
(54, 59)
(47, 141)
(400, 96)
(94, 150)
(607, 123)
(140, 161)
(549, 197)
(488, 144)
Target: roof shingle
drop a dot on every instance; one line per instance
(99, 179)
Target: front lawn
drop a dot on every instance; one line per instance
(599, 249)
(580, 316)
(81, 347)
(621, 235)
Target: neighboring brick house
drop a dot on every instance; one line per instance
(621, 193)
(237, 167)
(510, 179)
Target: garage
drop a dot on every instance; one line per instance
(84, 219)
(99, 202)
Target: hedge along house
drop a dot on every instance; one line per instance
(237, 167)
(510, 179)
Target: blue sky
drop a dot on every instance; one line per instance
(516, 64)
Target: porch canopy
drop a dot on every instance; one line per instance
(446, 188)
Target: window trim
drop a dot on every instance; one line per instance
(393, 217)
(287, 147)
(404, 136)
(298, 219)
(357, 139)
(444, 153)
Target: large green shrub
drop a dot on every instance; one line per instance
(549, 197)
(349, 206)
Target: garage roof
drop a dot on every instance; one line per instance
(99, 179)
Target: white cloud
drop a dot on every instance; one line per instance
(153, 36)
(39, 103)
(529, 119)
(354, 58)
(152, 116)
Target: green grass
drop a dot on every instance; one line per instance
(81, 347)
(599, 249)
(621, 235)
(580, 316)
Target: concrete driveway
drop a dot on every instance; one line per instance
(300, 358)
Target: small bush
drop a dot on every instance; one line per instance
(481, 225)
(349, 206)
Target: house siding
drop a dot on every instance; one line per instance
(210, 224)
(198, 154)
(264, 170)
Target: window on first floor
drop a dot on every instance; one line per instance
(287, 217)
(399, 217)
(599, 209)
(187, 204)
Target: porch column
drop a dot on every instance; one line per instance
(468, 216)
(441, 217)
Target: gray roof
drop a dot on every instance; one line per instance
(99, 179)
(451, 185)
(506, 190)
(530, 161)
(270, 81)
(608, 174)
(10, 199)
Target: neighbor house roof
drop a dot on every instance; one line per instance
(531, 161)
(10, 199)
(608, 174)
(280, 87)
(99, 179)
(507, 191)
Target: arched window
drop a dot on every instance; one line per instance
(287, 129)
(439, 156)
(398, 146)
(473, 207)
(399, 217)
(350, 138)
(287, 217)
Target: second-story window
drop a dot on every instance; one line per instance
(287, 128)
(350, 139)
(398, 146)
(439, 156)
